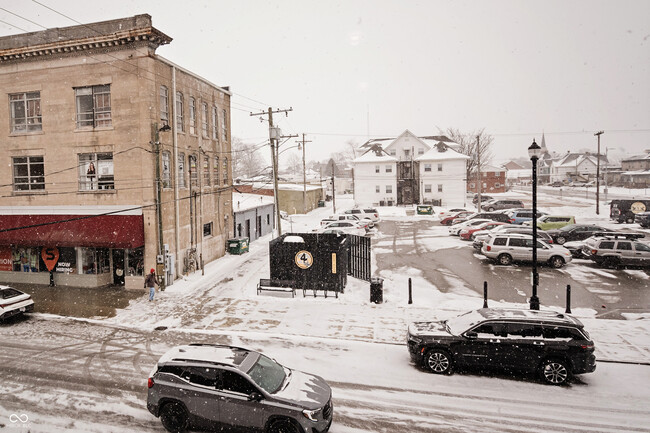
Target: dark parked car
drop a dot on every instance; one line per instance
(625, 210)
(643, 219)
(215, 387)
(502, 204)
(575, 232)
(484, 198)
(552, 344)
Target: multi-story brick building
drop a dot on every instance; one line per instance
(111, 155)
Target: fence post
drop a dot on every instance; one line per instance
(485, 304)
(568, 299)
(410, 292)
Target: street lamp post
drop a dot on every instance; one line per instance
(534, 151)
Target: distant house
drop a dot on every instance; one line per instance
(635, 171)
(410, 169)
(576, 167)
(290, 195)
(493, 180)
(252, 215)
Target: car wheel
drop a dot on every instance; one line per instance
(556, 261)
(629, 220)
(282, 426)
(438, 361)
(555, 372)
(173, 417)
(490, 209)
(610, 262)
(560, 240)
(504, 259)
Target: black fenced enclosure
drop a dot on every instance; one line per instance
(317, 262)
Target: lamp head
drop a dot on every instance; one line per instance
(534, 151)
(165, 128)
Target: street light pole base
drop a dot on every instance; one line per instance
(534, 303)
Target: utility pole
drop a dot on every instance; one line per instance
(156, 143)
(304, 175)
(273, 138)
(478, 173)
(598, 134)
(333, 190)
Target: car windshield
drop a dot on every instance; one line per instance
(268, 374)
(462, 323)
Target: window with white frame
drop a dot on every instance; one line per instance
(389, 169)
(439, 188)
(180, 122)
(93, 106)
(216, 170)
(192, 116)
(181, 170)
(29, 173)
(166, 170)
(224, 125)
(206, 171)
(427, 187)
(377, 169)
(164, 105)
(377, 189)
(26, 112)
(194, 176)
(497, 185)
(427, 167)
(96, 171)
(204, 119)
(407, 153)
(215, 131)
(389, 189)
(439, 166)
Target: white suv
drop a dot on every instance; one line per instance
(508, 247)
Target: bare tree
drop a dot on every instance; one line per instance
(477, 150)
(294, 164)
(246, 159)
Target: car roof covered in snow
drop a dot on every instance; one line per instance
(208, 353)
(527, 315)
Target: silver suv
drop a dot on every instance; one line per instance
(508, 247)
(213, 386)
(621, 249)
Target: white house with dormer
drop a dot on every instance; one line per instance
(410, 170)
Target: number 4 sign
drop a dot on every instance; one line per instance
(50, 256)
(304, 259)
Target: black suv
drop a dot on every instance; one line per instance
(554, 345)
(575, 232)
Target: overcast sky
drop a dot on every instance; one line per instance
(357, 69)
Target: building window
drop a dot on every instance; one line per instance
(407, 153)
(440, 167)
(181, 170)
(192, 116)
(377, 189)
(180, 124)
(427, 167)
(268, 219)
(207, 229)
(135, 258)
(420, 151)
(206, 171)
(26, 112)
(216, 171)
(389, 169)
(215, 131)
(439, 188)
(472, 185)
(204, 120)
(389, 189)
(95, 260)
(376, 169)
(164, 105)
(224, 128)
(393, 152)
(93, 106)
(427, 188)
(29, 173)
(225, 171)
(96, 171)
(166, 170)
(194, 178)
(497, 185)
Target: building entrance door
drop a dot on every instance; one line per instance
(118, 267)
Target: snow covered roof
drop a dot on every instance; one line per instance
(436, 153)
(242, 201)
(492, 169)
(372, 156)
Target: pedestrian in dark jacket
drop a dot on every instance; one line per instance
(150, 282)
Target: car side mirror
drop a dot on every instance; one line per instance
(255, 396)
(471, 335)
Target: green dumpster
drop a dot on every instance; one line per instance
(321, 203)
(425, 209)
(238, 246)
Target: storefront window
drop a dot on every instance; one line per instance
(95, 260)
(26, 259)
(136, 262)
(67, 263)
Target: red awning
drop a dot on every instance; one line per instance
(100, 231)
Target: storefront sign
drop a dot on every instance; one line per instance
(6, 263)
(50, 256)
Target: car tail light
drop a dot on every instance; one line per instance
(511, 220)
(150, 382)
(587, 346)
(594, 252)
(489, 248)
